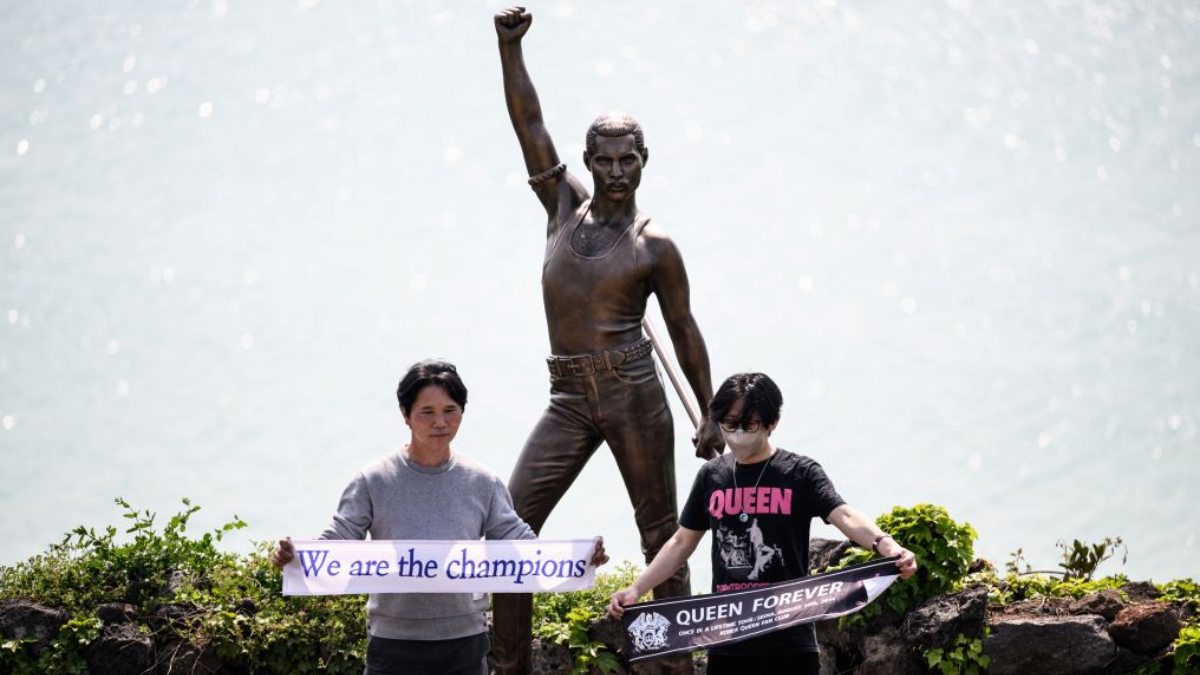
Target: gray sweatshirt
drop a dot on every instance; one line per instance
(394, 498)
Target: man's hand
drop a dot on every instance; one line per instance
(708, 439)
(284, 553)
(626, 596)
(512, 23)
(908, 560)
(599, 556)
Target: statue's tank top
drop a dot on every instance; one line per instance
(594, 302)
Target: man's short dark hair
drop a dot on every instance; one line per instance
(761, 395)
(615, 125)
(431, 372)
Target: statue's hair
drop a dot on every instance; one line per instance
(613, 125)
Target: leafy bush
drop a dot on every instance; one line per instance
(966, 658)
(944, 550)
(564, 618)
(1185, 651)
(87, 569)
(1080, 559)
(247, 621)
(65, 654)
(1182, 591)
(1015, 587)
(1079, 563)
(233, 605)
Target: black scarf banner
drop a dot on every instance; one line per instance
(674, 625)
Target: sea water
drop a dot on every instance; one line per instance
(962, 236)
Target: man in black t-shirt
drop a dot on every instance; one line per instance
(759, 502)
(760, 518)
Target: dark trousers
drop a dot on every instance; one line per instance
(793, 663)
(457, 656)
(625, 407)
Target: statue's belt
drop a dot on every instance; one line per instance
(589, 364)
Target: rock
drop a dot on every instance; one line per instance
(824, 552)
(828, 662)
(112, 613)
(185, 658)
(550, 659)
(171, 616)
(661, 666)
(981, 565)
(174, 584)
(1106, 603)
(24, 619)
(1140, 591)
(887, 653)
(1035, 607)
(1048, 645)
(1145, 628)
(121, 649)
(608, 631)
(843, 643)
(1127, 662)
(834, 643)
(937, 621)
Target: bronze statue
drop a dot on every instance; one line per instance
(603, 259)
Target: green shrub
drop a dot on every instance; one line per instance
(965, 658)
(239, 611)
(63, 657)
(1080, 559)
(564, 618)
(944, 551)
(1079, 563)
(1014, 587)
(247, 621)
(1182, 591)
(87, 569)
(1185, 651)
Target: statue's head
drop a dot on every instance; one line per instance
(615, 155)
(615, 125)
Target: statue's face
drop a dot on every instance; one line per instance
(616, 167)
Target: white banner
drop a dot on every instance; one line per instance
(342, 567)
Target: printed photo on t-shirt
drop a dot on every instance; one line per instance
(745, 552)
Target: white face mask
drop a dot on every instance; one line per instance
(744, 443)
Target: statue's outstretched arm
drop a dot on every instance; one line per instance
(525, 111)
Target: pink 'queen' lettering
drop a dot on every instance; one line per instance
(752, 501)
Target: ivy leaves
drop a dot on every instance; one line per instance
(944, 550)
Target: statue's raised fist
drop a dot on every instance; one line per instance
(512, 23)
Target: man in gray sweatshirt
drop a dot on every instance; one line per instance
(426, 491)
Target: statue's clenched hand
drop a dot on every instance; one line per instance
(512, 23)
(708, 439)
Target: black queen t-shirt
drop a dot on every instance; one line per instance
(760, 526)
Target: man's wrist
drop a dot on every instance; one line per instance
(878, 541)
